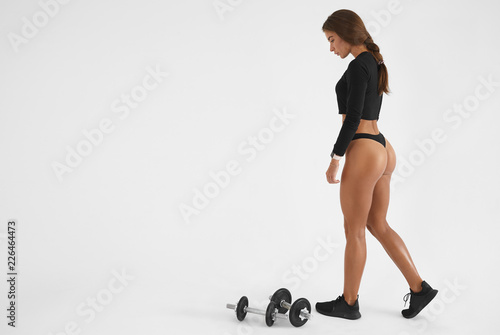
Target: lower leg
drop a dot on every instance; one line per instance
(397, 251)
(354, 264)
(366, 163)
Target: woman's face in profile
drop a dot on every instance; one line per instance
(337, 45)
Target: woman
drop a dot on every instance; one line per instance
(369, 163)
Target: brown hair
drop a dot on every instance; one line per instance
(349, 26)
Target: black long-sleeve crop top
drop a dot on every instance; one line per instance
(357, 97)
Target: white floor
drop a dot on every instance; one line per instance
(191, 298)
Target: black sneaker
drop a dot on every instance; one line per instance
(418, 300)
(339, 308)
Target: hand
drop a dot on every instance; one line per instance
(331, 173)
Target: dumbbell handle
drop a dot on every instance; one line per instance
(256, 311)
(286, 305)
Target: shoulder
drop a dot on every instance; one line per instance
(358, 67)
(358, 63)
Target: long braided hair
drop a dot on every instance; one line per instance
(349, 26)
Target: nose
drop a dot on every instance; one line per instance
(331, 47)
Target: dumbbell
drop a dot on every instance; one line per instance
(298, 317)
(271, 313)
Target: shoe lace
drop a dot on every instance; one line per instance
(406, 297)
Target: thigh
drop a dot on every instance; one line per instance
(380, 202)
(366, 161)
(381, 191)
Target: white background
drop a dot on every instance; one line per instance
(229, 72)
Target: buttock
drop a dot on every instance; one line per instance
(391, 155)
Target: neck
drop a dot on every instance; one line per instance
(356, 51)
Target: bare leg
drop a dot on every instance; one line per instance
(366, 161)
(378, 226)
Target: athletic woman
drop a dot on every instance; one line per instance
(369, 163)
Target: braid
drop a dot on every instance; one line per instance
(375, 51)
